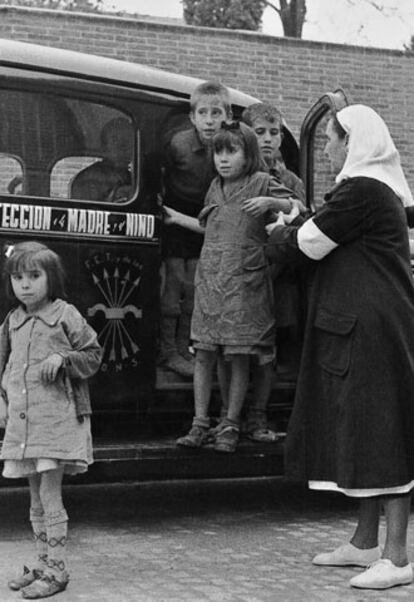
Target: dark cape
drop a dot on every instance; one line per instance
(353, 418)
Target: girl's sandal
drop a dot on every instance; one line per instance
(264, 435)
(25, 579)
(227, 439)
(44, 587)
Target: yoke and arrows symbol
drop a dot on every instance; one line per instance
(115, 310)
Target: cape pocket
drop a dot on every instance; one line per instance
(334, 337)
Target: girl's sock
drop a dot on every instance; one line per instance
(202, 422)
(39, 533)
(56, 529)
(229, 422)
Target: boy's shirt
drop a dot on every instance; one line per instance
(189, 171)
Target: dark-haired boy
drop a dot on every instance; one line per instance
(266, 121)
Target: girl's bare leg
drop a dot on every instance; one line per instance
(397, 511)
(203, 377)
(238, 386)
(223, 375)
(366, 532)
(262, 379)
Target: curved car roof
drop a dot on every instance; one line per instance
(69, 62)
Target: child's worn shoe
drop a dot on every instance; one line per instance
(227, 439)
(196, 437)
(46, 586)
(264, 435)
(180, 365)
(25, 579)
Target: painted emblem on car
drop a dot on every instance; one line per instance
(117, 279)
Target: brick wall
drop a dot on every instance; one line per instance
(290, 73)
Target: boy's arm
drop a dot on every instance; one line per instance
(176, 218)
(279, 198)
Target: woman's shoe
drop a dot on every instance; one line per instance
(46, 586)
(25, 579)
(348, 555)
(382, 575)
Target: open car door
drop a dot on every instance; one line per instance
(314, 168)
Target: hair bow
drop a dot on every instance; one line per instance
(234, 125)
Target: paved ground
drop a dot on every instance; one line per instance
(240, 541)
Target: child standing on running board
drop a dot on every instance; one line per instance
(189, 171)
(267, 123)
(45, 407)
(233, 309)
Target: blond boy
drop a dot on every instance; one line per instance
(188, 170)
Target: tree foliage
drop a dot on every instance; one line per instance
(245, 14)
(230, 14)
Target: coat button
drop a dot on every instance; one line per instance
(22, 415)
(24, 391)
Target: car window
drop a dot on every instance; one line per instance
(11, 175)
(66, 148)
(64, 172)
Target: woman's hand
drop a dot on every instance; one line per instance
(49, 368)
(284, 219)
(294, 212)
(301, 206)
(279, 222)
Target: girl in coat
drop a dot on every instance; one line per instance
(46, 408)
(233, 309)
(352, 425)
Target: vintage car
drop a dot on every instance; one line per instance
(62, 112)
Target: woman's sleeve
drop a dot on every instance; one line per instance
(343, 218)
(282, 247)
(85, 357)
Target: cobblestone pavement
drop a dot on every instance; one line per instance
(213, 541)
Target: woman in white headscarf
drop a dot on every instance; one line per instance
(352, 425)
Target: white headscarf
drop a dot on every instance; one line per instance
(371, 151)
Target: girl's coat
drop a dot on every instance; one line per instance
(233, 291)
(43, 418)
